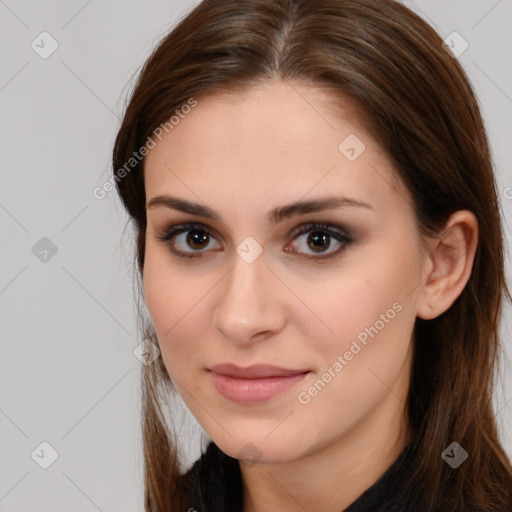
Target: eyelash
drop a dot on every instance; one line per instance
(336, 232)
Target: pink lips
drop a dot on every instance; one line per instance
(253, 384)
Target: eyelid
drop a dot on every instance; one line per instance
(329, 227)
(173, 229)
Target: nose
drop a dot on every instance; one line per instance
(249, 304)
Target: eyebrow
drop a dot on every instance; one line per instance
(274, 216)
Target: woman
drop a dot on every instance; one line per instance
(321, 253)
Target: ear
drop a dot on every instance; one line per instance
(449, 263)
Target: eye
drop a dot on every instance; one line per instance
(194, 236)
(198, 238)
(320, 240)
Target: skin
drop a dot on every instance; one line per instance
(243, 154)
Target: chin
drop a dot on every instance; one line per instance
(259, 449)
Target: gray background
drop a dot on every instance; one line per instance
(68, 374)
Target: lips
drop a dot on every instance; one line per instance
(257, 371)
(254, 384)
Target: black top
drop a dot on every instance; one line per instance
(214, 484)
(205, 483)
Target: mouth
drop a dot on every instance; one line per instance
(254, 384)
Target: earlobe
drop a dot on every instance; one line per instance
(451, 261)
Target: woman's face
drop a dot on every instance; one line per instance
(336, 303)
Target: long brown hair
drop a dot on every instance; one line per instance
(420, 106)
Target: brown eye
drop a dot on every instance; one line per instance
(188, 240)
(320, 239)
(197, 239)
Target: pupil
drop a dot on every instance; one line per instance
(320, 241)
(195, 237)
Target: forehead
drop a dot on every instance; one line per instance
(272, 143)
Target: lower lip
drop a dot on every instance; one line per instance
(252, 391)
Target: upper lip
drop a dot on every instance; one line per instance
(253, 372)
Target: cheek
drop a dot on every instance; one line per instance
(177, 301)
(368, 354)
(370, 300)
